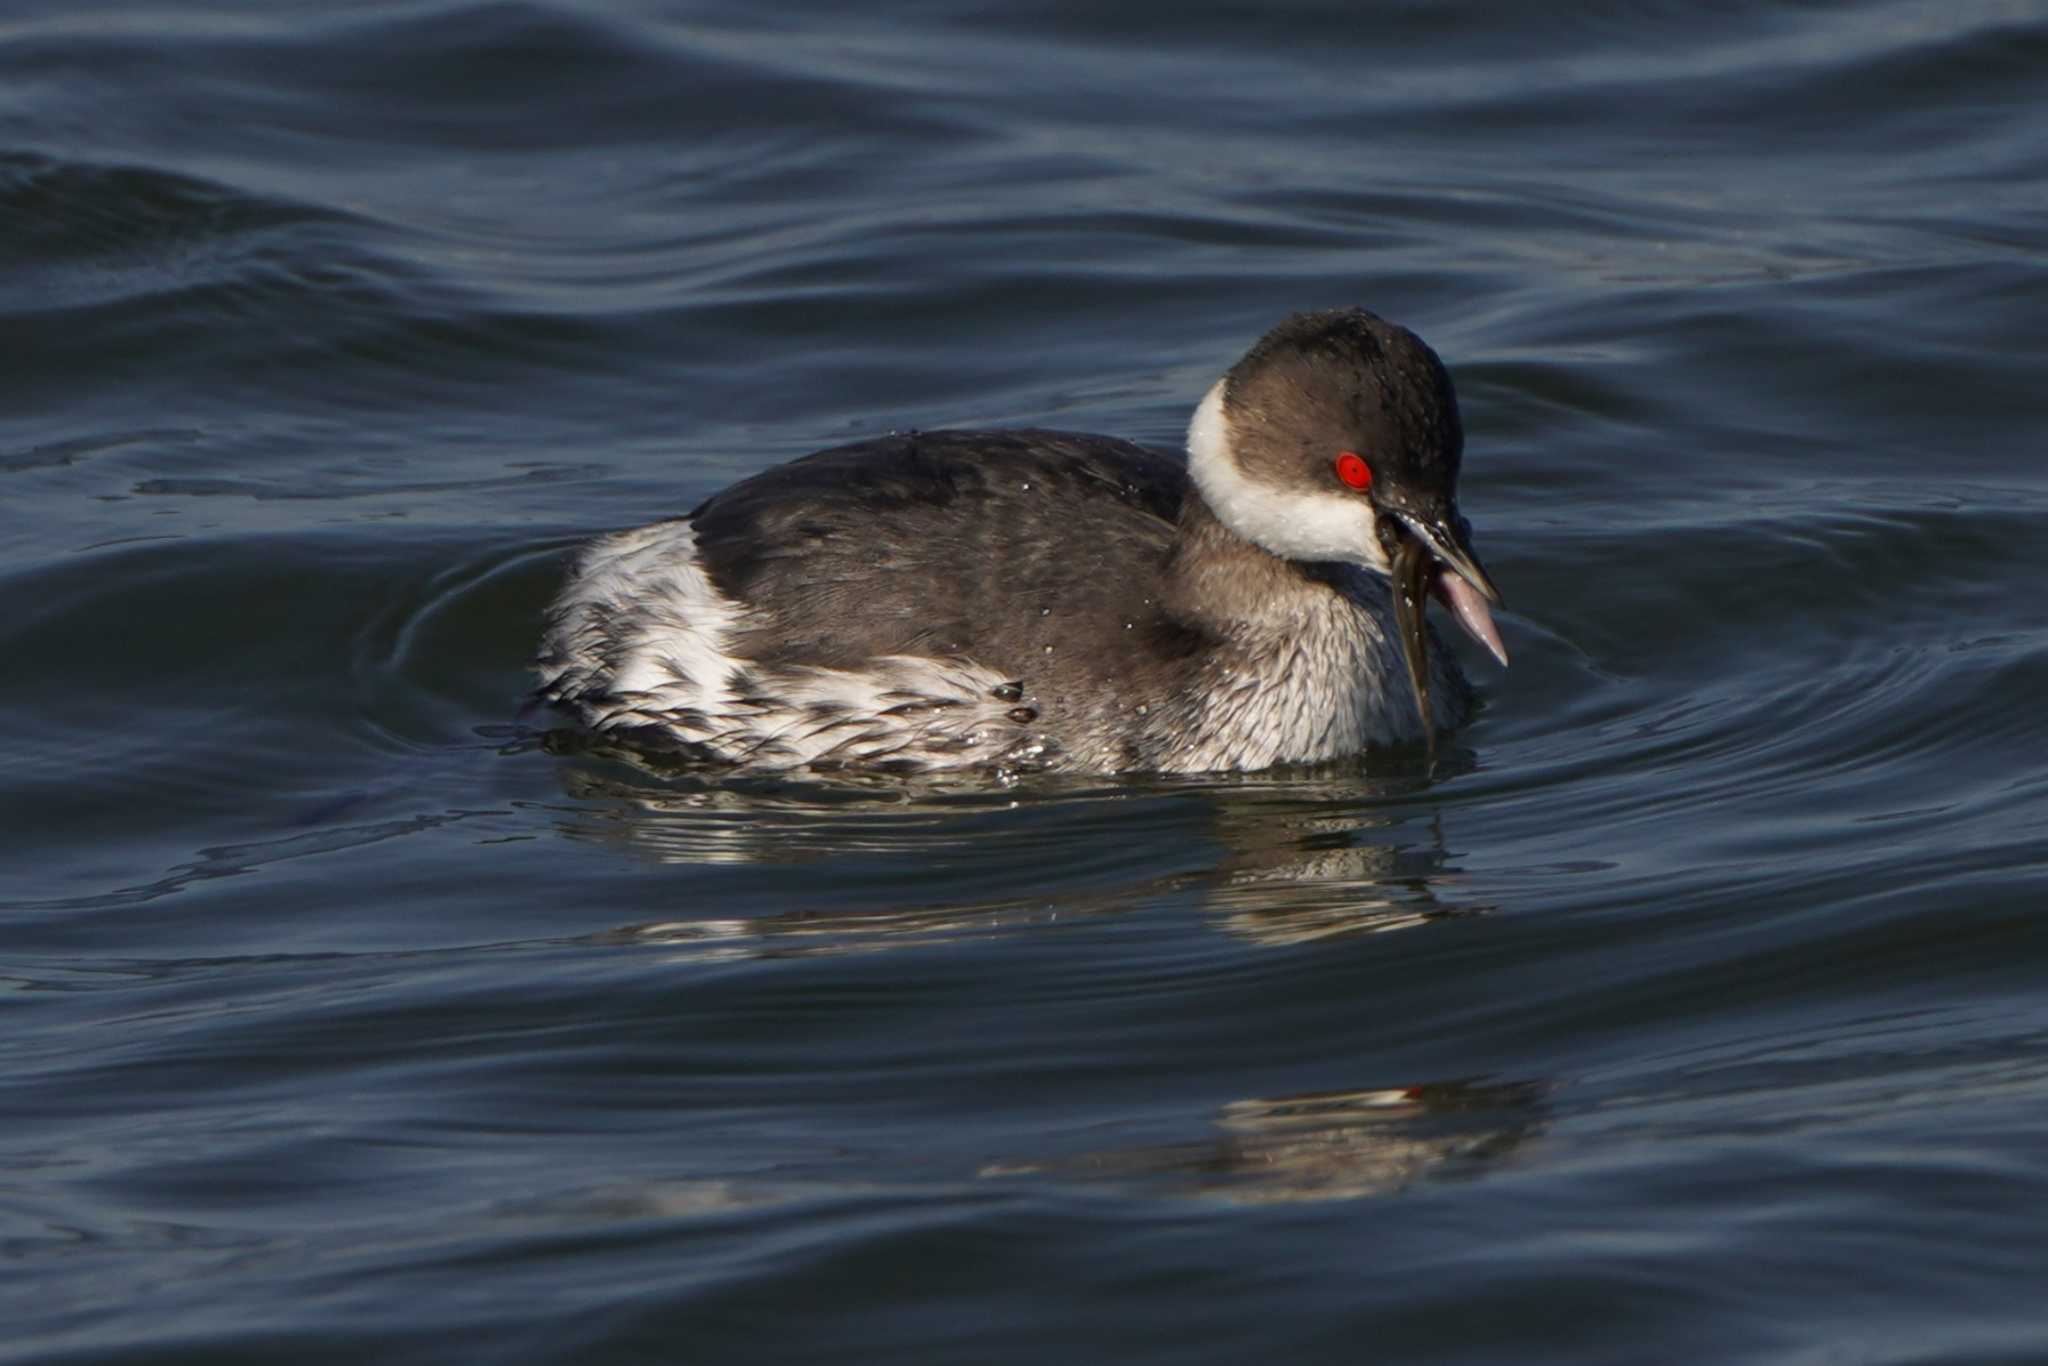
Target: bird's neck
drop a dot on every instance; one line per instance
(1219, 578)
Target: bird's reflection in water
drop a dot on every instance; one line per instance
(1276, 861)
(1328, 1145)
(1316, 863)
(1325, 1145)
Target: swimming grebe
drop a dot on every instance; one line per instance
(1040, 599)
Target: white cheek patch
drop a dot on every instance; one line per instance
(1293, 524)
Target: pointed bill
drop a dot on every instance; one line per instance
(1467, 589)
(1470, 610)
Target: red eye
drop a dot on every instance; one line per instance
(1353, 470)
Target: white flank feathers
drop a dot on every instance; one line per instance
(640, 639)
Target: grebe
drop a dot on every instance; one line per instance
(1051, 600)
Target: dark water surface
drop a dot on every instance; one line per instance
(1693, 1008)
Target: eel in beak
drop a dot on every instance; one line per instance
(1434, 556)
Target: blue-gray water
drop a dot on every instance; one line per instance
(1693, 1008)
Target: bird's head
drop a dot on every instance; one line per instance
(1337, 437)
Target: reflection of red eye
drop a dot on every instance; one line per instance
(1353, 470)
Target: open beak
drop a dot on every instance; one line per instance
(1434, 555)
